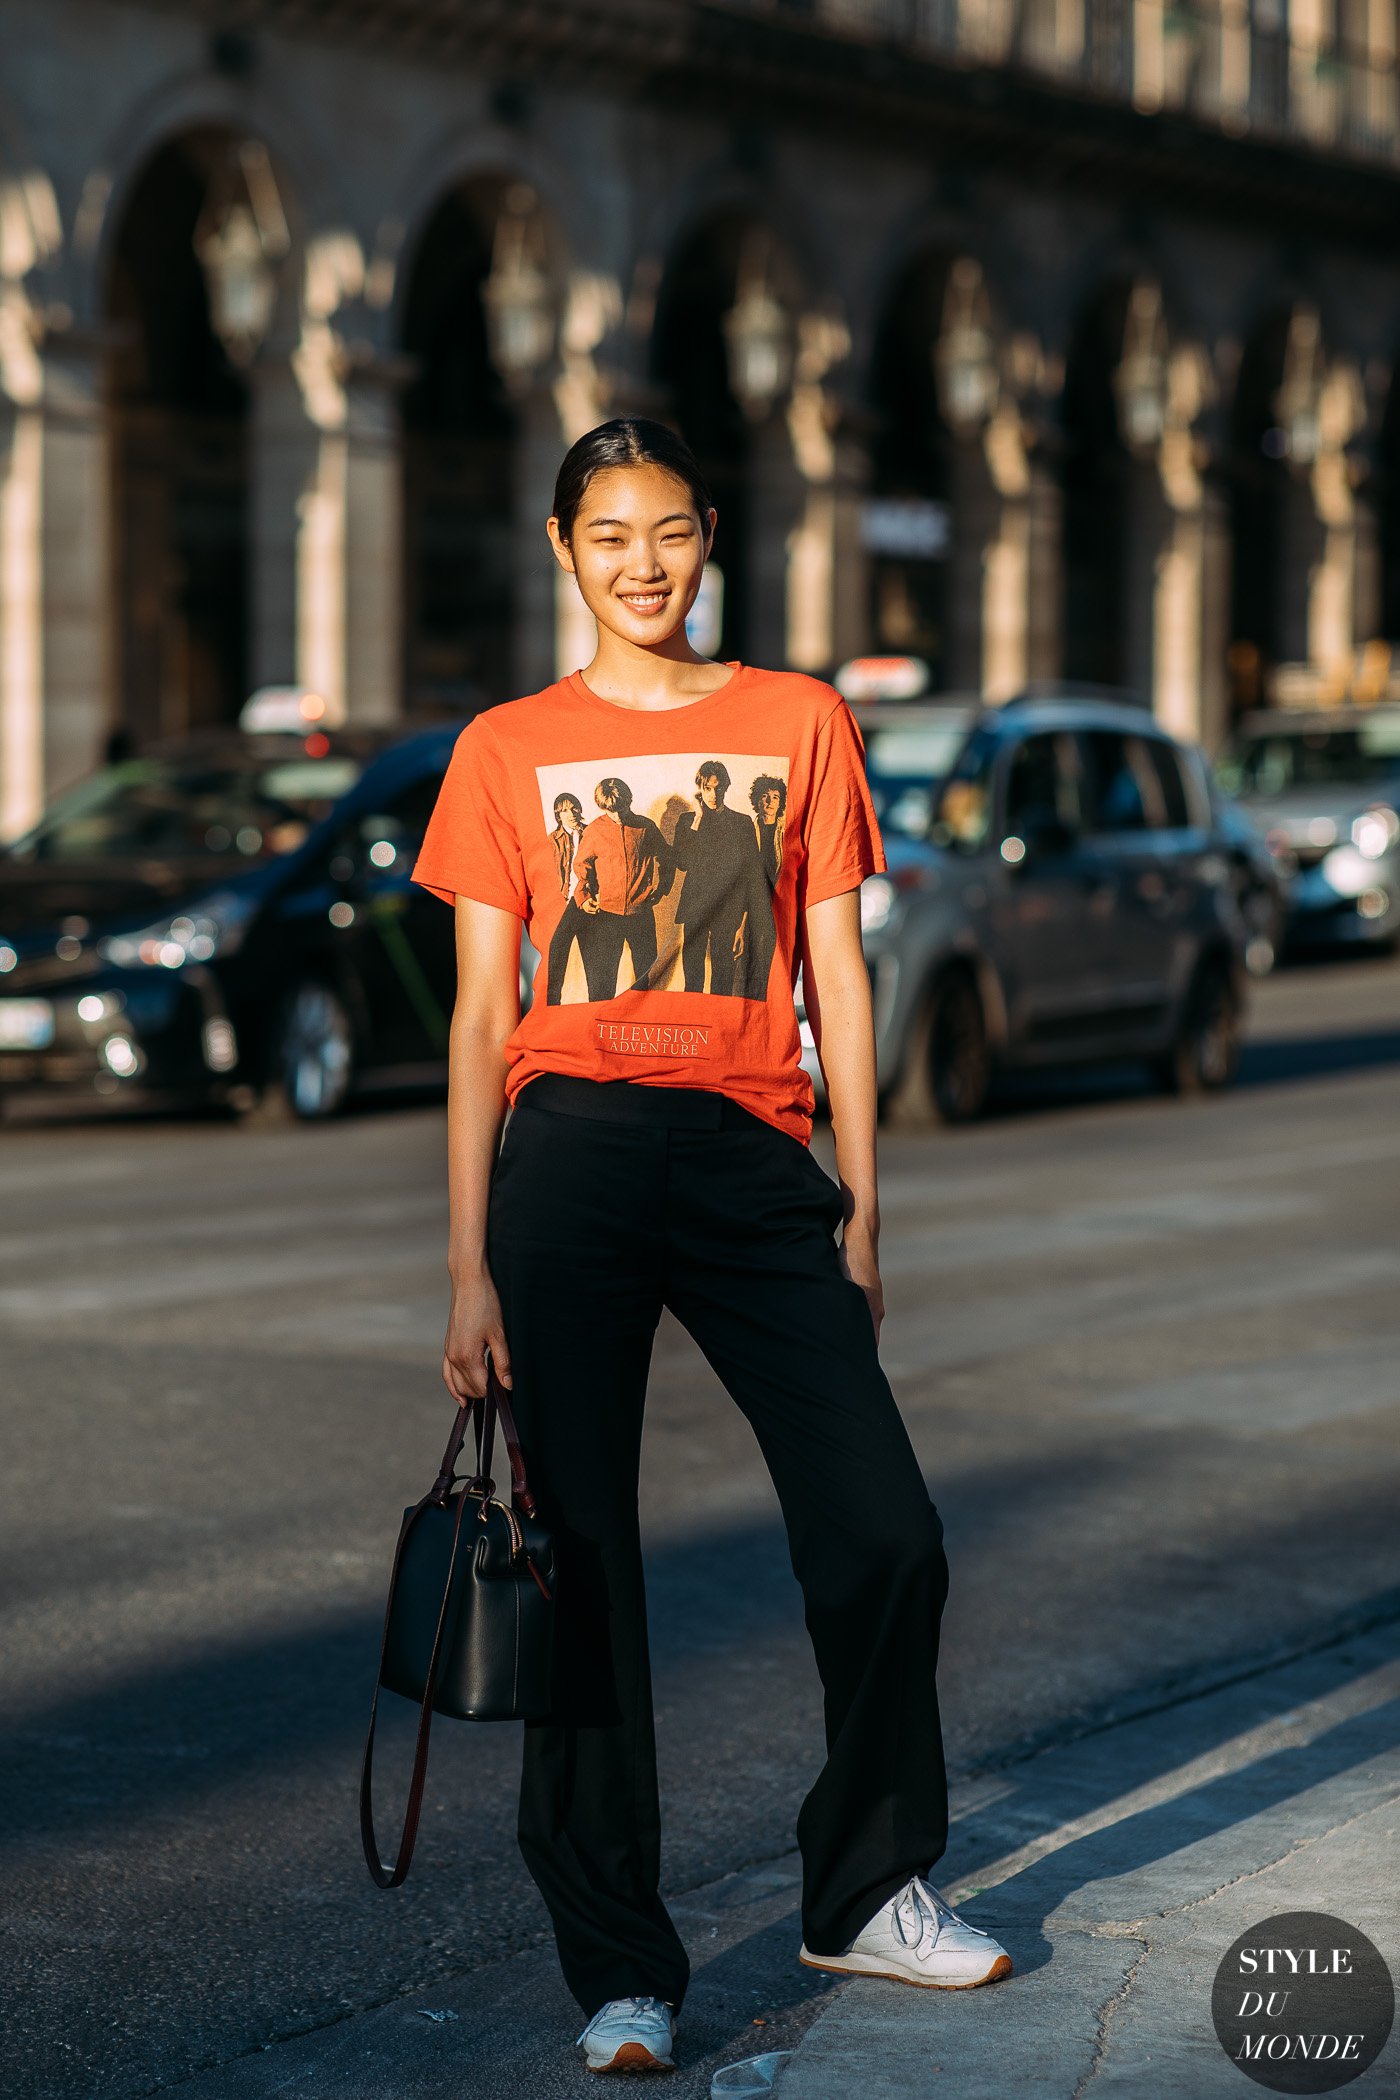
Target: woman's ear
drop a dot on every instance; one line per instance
(712, 519)
(561, 547)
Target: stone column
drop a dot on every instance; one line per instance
(822, 477)
(1178, 596)
(785, 583)
(327, 528)
(1004, 581)
(555, 631)
(1337, 535)
(283, 445)
(56, 656)
(1216, 559)
(1302, 564)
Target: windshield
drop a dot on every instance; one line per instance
(190, 809)
(1279, 760)
(905, 766)
(964, 815)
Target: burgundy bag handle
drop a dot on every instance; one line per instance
(482, 1412)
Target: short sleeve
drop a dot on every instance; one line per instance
(472, 846)
(841, 833)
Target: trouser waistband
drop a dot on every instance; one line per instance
(633, 1101)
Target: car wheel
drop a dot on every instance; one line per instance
(313, 1054)
(948, 1070)
(1206, 1053)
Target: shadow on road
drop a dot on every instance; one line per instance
(1266, 1061)
(1278, 1059)
(166, 1751)
(1203, 1813)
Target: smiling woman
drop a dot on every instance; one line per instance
(675, 834)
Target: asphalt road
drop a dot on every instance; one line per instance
(1150, 1355)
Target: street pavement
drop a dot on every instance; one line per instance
(1148, 1353)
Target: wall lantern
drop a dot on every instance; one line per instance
(965, 355)
(757, 336)
(1298, 402)
(1140, 383)
(240, 240)
(519, 301)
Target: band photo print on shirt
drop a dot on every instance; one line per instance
(667, 866)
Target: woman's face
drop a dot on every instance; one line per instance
(637, 548)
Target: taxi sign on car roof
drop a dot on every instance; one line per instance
(287, 710)
(882, 678)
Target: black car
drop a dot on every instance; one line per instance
(229, 915)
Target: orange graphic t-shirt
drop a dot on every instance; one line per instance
(660, 860)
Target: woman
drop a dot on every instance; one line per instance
(657, 1155)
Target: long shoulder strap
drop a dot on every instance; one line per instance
(482, 1413)
(438, 1494)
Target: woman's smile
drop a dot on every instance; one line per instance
(648, 601)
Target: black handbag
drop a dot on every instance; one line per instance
(469, 1625)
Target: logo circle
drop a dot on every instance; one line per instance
(1303, 2003)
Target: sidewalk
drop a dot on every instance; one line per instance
(1118, 1870)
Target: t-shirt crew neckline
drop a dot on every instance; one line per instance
(578, 684)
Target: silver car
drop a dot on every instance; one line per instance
(1072, 900)
(1324, 789)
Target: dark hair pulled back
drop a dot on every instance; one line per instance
(626, 441)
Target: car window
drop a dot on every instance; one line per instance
(963, 816)
(191, 809)
(1279, 761)
(905, 766)
(1166, 763)
(1127, 788)
(1043, 785)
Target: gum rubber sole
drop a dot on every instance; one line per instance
(633, 2057)
(1001, 1968)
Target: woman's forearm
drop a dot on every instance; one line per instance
(837, 988)
(484, 1018)
(476, 1100)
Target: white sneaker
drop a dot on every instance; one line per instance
(918, 1938)
(630, 2034)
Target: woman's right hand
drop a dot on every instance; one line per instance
(474, 1325)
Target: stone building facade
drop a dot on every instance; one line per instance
(1035, 337)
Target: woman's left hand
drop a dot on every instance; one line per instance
(860, 1261)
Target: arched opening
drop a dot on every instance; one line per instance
(1096, 476)
(908, 523)
(690, 359)
(179, 427)
(1259, 492)
(460, 437)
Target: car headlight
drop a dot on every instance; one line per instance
(878, 896)
(214, 926)
(1375, 831)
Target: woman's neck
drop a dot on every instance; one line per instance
(671, 674)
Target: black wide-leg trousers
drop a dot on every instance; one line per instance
(609, 1201)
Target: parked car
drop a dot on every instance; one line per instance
(1324, 789)
(1072, 901)
(230, 915)
(1261, 879)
